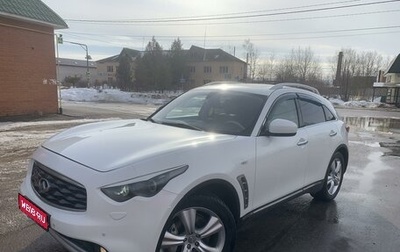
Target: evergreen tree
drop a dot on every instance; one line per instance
(153, 71)
(124, 73)
(177, 60)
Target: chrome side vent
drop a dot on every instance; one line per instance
(245, 189)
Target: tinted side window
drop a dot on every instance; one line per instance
(312, 112)
(284, 109)
(328, 114)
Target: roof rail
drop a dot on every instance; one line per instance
(295, 85)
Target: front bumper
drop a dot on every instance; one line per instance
(134, 225)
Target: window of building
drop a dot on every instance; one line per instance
(192, 69)
(223, 69)
(228, 76)
(110, 69)
(207, 69)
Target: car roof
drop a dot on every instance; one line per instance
(263, 89)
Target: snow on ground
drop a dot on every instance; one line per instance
(115, 95)
(158, 98)
(9, 126)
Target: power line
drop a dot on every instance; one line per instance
(227, 16)
(256, 35)
(239, 13)
(258, 21)
(314, 17)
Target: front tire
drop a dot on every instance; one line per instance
(333, 179)
(199, 223)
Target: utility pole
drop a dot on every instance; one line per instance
(84, 47)
(59, 40)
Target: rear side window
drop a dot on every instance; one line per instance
(328, 114)
(312, 112)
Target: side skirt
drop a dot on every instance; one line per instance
(314, 187)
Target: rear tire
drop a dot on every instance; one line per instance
(199, 223)
(333, 179)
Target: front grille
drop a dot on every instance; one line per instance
(57, 190)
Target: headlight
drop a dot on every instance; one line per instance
(147, 188)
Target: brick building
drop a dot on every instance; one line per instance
(27, 60)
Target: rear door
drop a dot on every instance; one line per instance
(321, 127)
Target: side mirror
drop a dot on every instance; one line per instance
(281, 127)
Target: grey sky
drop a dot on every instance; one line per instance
(366, 27)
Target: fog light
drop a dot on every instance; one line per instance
(103, 249)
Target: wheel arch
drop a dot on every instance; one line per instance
(221, 189)
(342, 149)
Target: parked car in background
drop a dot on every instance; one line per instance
(182, 179)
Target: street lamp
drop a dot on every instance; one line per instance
(84, 47)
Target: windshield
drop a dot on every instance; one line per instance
(219, 111)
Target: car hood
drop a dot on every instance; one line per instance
(110, 145)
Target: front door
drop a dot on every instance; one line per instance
(280, 160)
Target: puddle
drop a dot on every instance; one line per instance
(374, 124)
(370, 171)
(393, 146)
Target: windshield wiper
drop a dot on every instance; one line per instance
(181, 124)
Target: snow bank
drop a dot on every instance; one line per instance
(359, 104)
(362, 104)
(336, 102)
(158, 98)
(115, 95)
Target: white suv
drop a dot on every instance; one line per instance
(181, 179)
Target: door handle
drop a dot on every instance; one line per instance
(302, 141)
(332, 133)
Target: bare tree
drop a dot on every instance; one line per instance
(300, 66)
(306, 65)
(251, 55)
(360, 63)
(267, 67)
(358, 70)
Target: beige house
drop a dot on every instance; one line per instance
(391, 82)
(107, 68)
(206, 65)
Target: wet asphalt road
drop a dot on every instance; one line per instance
(364, 217)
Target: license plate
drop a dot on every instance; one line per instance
(34, 212)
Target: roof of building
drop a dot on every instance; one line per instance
(196, 53)
(75, 63)
(394, 66)
(32, 11)
(125, 51)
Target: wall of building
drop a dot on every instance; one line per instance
(393, 78)
(104, 75)
(27, 68)
(199, 73)
(76, 71)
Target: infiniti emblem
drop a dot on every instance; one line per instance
(44, 185)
